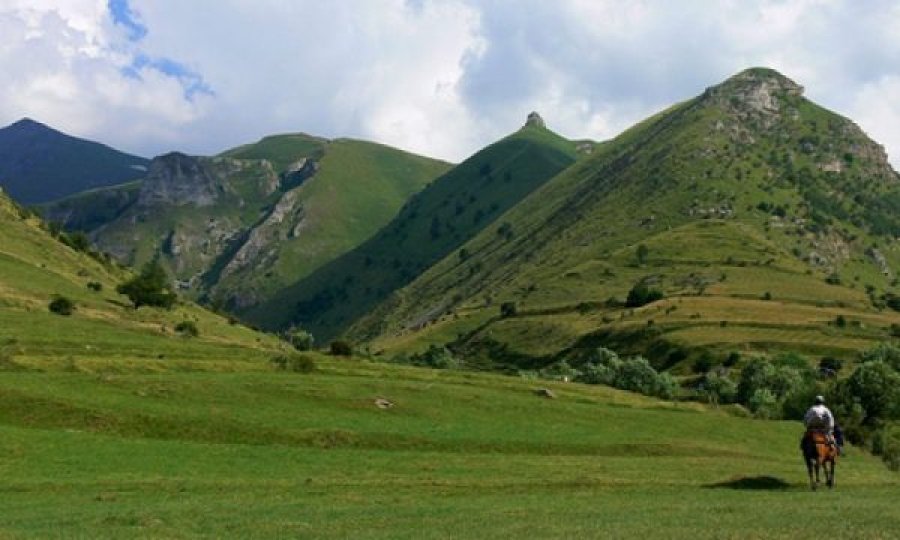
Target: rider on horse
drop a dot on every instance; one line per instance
(819, 419)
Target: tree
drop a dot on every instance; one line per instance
(300, 339)
(642, 253)
(641, 295)
(508, 309)
(341, 348)
(149, 288)
(61, 306)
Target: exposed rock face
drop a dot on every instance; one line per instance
(285, 217)
(178, 179)
(534, 119)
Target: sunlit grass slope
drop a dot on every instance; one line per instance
(763, 219)
(460, 455)
(432, 224)
(103, 330)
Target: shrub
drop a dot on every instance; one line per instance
(830, 364)
(763, 404)
(76, 240)
(300, 339)
(436, 357)
(875, 386)
(149, 288)
(295, 362)
(187, 329)
(560, 371)
(840, 321)
(641, 254)
(508, 309)
(341, 348)
(61, 306)
(718, 389)
(732, 359)
(703, 363)
(883, 352)
(641, 295)
(95, 286)
(886, 443)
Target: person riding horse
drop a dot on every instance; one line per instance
(819, 419)
(818, 444)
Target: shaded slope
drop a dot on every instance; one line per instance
(745, 190)
(432, 224)
(39, 164)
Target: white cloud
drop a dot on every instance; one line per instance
(439, 77)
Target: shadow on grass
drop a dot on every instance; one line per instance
(765, 483)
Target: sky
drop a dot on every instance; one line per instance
(441, 78)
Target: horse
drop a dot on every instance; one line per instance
(819, 453)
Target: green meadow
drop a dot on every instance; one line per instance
(155, 452)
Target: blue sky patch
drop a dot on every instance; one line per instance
(124, 16)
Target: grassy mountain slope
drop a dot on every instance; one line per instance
(112, 426)
(103, 332)
(432, 224)
(238, 227)
(746, 199)
(39, 164)
(458, 455)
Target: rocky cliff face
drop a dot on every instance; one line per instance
(178, 179)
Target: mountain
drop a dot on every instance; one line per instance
(39, 164)
(767, 222)
(103, 332)
(236, 228)
(433, 223)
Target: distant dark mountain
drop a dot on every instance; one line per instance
(39, 164)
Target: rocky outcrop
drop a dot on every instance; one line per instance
(178, 179)
(534, 119)
(282, 221)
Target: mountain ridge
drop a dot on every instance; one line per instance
(39, 164)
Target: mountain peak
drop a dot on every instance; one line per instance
(758, 89)
(534, 119)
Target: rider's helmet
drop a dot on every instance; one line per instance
(820, 400)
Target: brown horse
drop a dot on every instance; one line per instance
(819, 453)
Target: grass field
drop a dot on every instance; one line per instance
(460, 455)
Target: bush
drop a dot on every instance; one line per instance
(295, 362)
(883, 352)
(95, 286)
(508, 309)
(300, 339)
(641, 295)
(830, 365)
(886, 443)
(718, 389)
(436, 357)
(187, 329)
(560, 371)
(341, 348)
(149, 288)
(703, 363)
(875, 386)
(61, 306)
(763, 404)
(604, 366)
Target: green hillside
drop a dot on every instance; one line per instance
(432, 224)
(39, 164)
(236, 228)
(103, 332)
(457, 455)
(112, 425)
(768, 223)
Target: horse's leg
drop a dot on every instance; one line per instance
(830, 473)
(818, 479)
